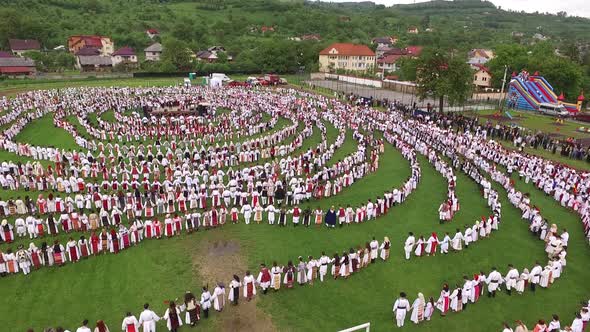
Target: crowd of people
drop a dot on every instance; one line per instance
(176, 176)
(301, 272)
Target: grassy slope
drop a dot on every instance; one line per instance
(106, 287)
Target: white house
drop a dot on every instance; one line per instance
(153, 52)
(124, 55)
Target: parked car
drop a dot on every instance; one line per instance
(274, 79)
(553, 109)
(224, 78)
(252, 81)
(262, 81)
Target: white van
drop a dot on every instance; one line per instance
(224, 78)
(553, 109)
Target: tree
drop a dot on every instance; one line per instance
(514, 56)
(221, 57)
(178, 54)
(407, 71)
(440, 75)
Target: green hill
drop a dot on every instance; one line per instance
(236, 24)
(224, 21)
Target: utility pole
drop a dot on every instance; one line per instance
(502, 91)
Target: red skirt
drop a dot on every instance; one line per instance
(125, 240)
(73, 254)
(84, 251)
(40, 230)
(57, 258)
(169, 230)
(11, 265)
(8, 236)
(95, 248)
(36, 260)
(148, 232)
(250, 289)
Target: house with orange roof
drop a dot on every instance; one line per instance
(103, 44)
(346, 56)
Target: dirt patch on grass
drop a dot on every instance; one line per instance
(218, 260)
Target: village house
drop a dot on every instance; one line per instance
(206, 56)
(90, 59)
(388, 60)
(152, 33)
(12, 66)
(389, 63)
(482, 78)
(94, 63)
(104, 44)
(153, 52)
(412, 30)
(479, 56)
(212, 54)
(20, 46)
(346, 56)
(384, 41)
(125, 55)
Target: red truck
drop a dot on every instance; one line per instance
(271, 79)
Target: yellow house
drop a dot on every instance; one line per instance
(346, 56)
(482, 77)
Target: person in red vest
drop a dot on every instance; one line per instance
(264, 278)
(296, 212)
(130, 323)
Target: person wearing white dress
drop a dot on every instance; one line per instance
(130, 323)
(418, 309)
(219, 297)
(409, 245)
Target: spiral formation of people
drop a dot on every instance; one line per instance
(270, 209)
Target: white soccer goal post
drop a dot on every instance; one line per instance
(366, 327)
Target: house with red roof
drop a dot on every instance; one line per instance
(389, 63)
(388, 60)
(346, 56)
(16, 66)
(124, 55)
(152, 33)
(103, 44)
(479, 56)
(20, 46)
(482, 77)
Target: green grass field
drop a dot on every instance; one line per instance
(158, 270)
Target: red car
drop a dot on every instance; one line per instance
(262, 81)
